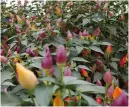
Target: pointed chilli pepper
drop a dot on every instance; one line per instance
(117, 92)
(84, 73)
(69, 35)
(47, 60)
(98, 82)
(19, 20)
(26, 78)
(67, 99)
(58, 11)
(61, 55)
(123, 60)
(108, 77)
(99, 100)
(110, 91)
(108, 49)
(122, 100)
(67, 71)
(58, 101)
(97, 31)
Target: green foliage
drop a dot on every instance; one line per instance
(82, 52)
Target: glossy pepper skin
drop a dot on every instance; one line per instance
(47, 63)
(108, 77)
(120, 97)
(108, 49)
(61, 56)
(123, 60)
(84, 73)
(25, 77)
(58, 101)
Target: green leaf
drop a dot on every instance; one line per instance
(78, 17)
(67, 79)
(115, 59)
(97, 76)
(6, 74)
(79, 59)
(8, 83)
(59, 39)
(36, 62)
(112, 29)
(91, 88)
(79, 49)
(85, 21)
(24, 42)
(83, 86)
(105, 43)
(84, 67)
(43, 94)
(16, 89)
(97, 17)
(9, 99)
(50, 79)
(114, 65)
(96, 49)
(91, 101)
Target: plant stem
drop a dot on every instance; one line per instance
(31, 95)
(61, 72)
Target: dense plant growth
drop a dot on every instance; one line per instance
(64, 53)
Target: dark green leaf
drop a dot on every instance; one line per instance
(79, 59)
(84, 67)
(96, 49)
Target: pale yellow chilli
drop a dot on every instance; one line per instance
(26, 78)
(18, 19)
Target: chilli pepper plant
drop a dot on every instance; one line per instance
(64, 53)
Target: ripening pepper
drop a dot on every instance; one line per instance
(58, 11)
(58, 101)
(99, 100)
(108, 77)
(97, 32)
(108, 49)
(3, 59)
(61, 55)
(25, 77)
(69, 35)
(47, 63)
(19, 20)
(123, 60)
(110, 91)
(67, 71)
(84, 73)
(120, 97)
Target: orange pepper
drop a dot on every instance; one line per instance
(116, 92)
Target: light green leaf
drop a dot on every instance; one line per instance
(91, 88)
(43, 94)
(105, 43)
(6, 74)
(85, 21)
(91, 101)
(97, 76)
(79, 49)
(9, 99)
